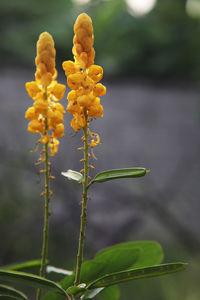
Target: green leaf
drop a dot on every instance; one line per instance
(23, 265)
(119, 173)
(7, 292)
(150, 253)
(110, 293)
(31, 280)
(124, 276)
(73, 175)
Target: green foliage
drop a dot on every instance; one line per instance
(113, 259)
(11, 293)
(149, 45)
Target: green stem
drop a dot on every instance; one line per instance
(84, 206)
(46, 213)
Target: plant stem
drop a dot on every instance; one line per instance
(46, 213)
(84, 206)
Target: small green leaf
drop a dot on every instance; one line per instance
(73, 175)
(119, 173)
(31, 280)
(23, 265)
(7, 292)
(124, 276)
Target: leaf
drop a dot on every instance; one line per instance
(31, 280)
(124, 276)
(8, 291)
(150, 252)
(23, 265)
(119, 173)
(110, 293)
(73, 175)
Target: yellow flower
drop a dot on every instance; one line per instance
(32, 89)
(53, 144)
(46, 114)
(36, 126)
(30, 114)
(58, 131)
(83, 77)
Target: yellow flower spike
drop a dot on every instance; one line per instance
(45, 114)
(82, 75)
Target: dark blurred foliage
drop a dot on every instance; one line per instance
(164, 42)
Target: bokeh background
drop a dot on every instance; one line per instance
(150, 52)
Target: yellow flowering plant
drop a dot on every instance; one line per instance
(111, 266)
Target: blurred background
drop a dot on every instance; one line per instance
(150, 52)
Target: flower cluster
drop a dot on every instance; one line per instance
(83, 77)
(46, 114)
